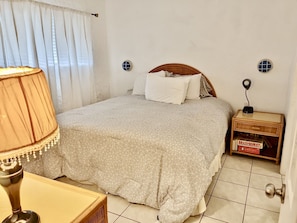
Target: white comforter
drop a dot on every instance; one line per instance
(148, 152)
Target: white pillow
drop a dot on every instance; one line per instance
(194, 86)
(139, 83)
(166, 89)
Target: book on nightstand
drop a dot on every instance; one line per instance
(249, 143)
(246, 149)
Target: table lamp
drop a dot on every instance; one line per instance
(247, 109)
(27, 126)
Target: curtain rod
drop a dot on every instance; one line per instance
(95, 14)
(63, 7)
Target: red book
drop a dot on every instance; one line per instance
(246, 149)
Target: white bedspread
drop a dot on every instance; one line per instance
(148, 152)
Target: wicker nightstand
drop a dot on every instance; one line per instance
(263, 127)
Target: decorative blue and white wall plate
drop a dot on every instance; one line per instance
(264, 66)
(127, 65)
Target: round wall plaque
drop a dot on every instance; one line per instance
(264, 66)
(127, 65)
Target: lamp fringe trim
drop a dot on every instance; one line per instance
(30, 151)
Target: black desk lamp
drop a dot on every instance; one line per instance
(247, 109)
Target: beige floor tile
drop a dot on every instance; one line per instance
(266, 167)
(224, 210)
(237, 162)
(195, 219)
(230, 191)
(260, 181)
(116, 204)
(112, 217)
(141, 213)
(254, 215)
(210, 220)
(257, 198)
(124, 220)
(235, 176)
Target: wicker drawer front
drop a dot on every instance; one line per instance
(272, 130)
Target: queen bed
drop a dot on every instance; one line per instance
(148, 148)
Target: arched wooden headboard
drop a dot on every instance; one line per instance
(183, 69)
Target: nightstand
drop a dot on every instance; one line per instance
(57, 202)
(263, 127)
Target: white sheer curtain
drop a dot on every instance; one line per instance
(57, 40)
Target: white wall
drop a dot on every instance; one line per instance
(224, 39)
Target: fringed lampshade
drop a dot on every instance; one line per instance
(27, 126)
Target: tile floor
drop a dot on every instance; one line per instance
(236, 195)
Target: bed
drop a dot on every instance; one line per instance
(161, 154)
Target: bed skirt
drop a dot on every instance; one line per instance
(214, 167)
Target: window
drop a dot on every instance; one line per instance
(57, 40)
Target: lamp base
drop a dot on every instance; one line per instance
(11, 176)
(22, 217)
(248, 109)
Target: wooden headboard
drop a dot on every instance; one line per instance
(183, 69)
